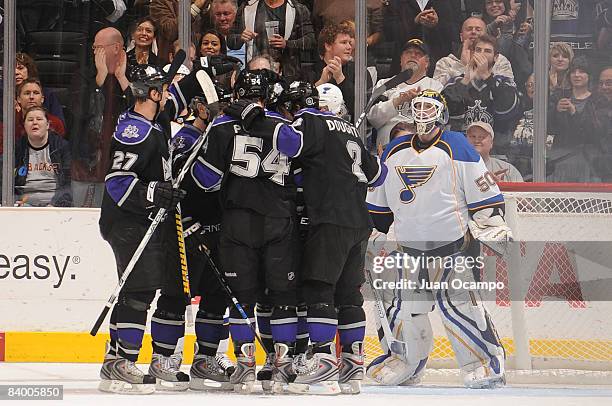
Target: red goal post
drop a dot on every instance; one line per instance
(554, 332)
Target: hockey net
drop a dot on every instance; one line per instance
(557, 328)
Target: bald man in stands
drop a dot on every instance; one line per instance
(99, 93)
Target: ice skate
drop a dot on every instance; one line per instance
(484, 378)
(127, 378)
(264, 375)
(167, 373)
(210, 372)
(283, 372)
(317, 373)
(105, 371)
(243, 377)
(351, 369)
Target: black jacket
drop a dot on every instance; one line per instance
(59, 151)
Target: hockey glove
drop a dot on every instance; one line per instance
(163, 195)
(197, 240)
(246, 111)
(491, 230)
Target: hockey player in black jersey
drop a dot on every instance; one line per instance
(337, 170)
(259, 235)
(137, 184)
(201, 215)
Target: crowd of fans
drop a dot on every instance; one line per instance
(478, 53)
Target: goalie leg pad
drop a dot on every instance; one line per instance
(470, 330)
(416, 332)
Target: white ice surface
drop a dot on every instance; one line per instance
(81, 380)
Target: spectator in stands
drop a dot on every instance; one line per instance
(481, 95)
(500, 17)
(395, 104)
(431, 21)
(100, 92)
(25, 68)
(572, 21)
(521, 144)
(561, 55)
(456, 64)
(142, 49)
(480, 135)
(224, 18)
(572, 121)
(212, 43)
(176, 45)
(281, 28)
(603, 27)
(336, 64)
(325, 12)
(30, 94)
(603, 124)
(165, 13)
(42, 162)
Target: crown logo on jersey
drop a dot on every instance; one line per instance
(477, 113)
(131, 131)
(413, 177)
(565, 9)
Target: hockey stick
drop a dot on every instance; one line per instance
(396, 346)
(206, 251)
(145, 240)
(376, 93)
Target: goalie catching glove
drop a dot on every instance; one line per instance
(489, 227)
(163, 195)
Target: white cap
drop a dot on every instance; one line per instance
(485, 126)
(182, 70)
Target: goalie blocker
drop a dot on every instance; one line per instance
(431, 197)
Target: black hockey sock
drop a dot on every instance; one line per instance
(301, 344)
(351, 326)
(209, 331)
(322, 326)
(112, 350)
(166, 330)
(284, 325)
(264, 314)
(239, 328)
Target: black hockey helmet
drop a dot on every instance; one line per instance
(277, 86)
(143, 78)
(252, 84)
(302, 95)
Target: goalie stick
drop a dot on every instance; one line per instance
(395, 346)
(161, 213)
(377, 92)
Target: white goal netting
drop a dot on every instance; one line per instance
(554, 316)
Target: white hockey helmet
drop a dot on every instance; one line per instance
(330, 96)
(428, 110)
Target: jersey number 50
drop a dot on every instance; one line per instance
(246, 160)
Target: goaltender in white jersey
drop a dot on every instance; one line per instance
(437, 188)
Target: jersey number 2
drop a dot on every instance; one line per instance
(354, 151)
(275, 162)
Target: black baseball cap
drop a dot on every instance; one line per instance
(416, 43)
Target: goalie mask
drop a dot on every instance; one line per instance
(330, 96)
(428, 110)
